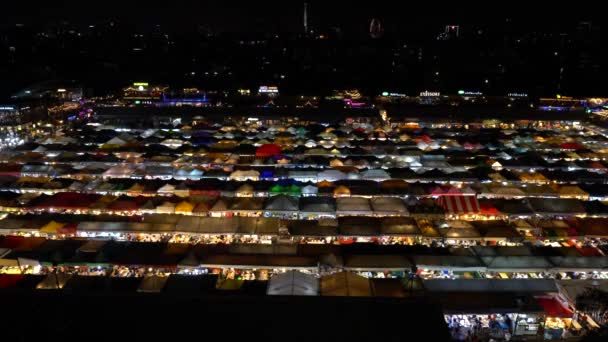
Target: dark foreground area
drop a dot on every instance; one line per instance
(54, 316)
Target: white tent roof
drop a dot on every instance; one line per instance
(375, 174)
(293, 283)
(388, 204)
(166, 188)
(331, 175)
(116, 141)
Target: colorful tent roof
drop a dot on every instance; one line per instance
(459, 204)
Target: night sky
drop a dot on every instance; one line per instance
(286, 16)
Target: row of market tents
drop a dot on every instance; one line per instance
(342, 227)
(289, 186)
(343, 204)
(354, 257)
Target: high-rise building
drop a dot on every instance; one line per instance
(452, 30)
(375, 28)
(305, 17)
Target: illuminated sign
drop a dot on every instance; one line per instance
(517, 95)
(244, 91)
(140, 84)
(7, 108)
(387, 94)
(268, 90)
(469, 93)
(61, 90)
(427, 93)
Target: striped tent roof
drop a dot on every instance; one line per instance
(459, 204)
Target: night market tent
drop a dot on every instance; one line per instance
(166, 208)
(571, 289)
(341, 190)
(399, 226)
(496, 230)
(245, 190)
(345, 284)
(293, 283)
(99, 226)
(513, 208)
(86, 284)
(462, 261)
(459, 205)
(54, 281)
(516, 263)
(492, 285)
(388, 287)
(394, 186)
(353, 206)
(594, 227)
(553, 308)
(92, 246)
(358, 226)
(318, 205)
(182, 284)
(572, 191)
(331, 175)
(257, 261)
(311, 228)
(221, 205)
(243, 175)
(506, 192)
(282, 203)
(310, 190)
(579, 263)
(152, 284)
(459, 230)
(120, 171)
(258, 225)
(378, 263)
(388, 205)
(375, 174)
(214, 225)
(189, 224)
(556, 206)
(184, 207)
(247, 204)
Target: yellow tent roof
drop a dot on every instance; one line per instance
(52, 227)
(342, 190)
(184, 207)
(33, 180)
(324, 184)
(136, 187)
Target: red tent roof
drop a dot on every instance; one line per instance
(69, 200)
(571, 146)
(487, 208)
(10, 280)
(268, 150)
(553, 308)
(11, 241)
(459, 204)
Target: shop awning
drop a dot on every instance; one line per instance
(345, 284)
(491, 285)
(152, 284)
(554, 308)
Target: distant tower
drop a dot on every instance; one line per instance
(306, 17)
(452, 31)
(375, 28)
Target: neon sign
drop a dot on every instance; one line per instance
(427, 93)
